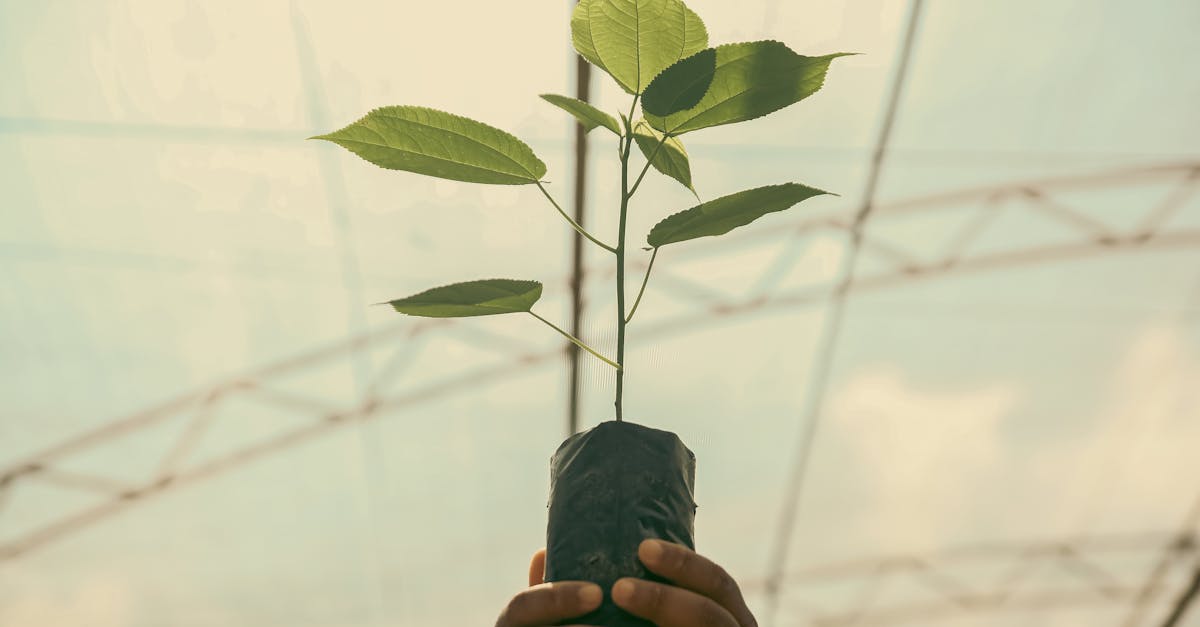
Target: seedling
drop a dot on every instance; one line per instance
(614, 485)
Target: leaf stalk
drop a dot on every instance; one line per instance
(575, 225)
(646, 279)
(646, 168)
(576, 341)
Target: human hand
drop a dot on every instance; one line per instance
(702, 594)
(544, 604)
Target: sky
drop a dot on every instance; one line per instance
(172, 251)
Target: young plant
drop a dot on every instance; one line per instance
(658, 52)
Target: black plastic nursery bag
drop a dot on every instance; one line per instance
(610, 488)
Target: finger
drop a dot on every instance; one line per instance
(549, 603)
(687, 569)
(668, 606)
(537, 568)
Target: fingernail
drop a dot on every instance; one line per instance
(622, 592)
(652, 550)
(590, 595)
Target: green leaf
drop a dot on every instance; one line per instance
(590, 117)
(685, 86)
(744, 81)
(671, 159)
(435, 143)
(634, 40)
(472, 298)
(722, 215)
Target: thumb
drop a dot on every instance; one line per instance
(537, 568)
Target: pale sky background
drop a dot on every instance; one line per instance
(166, 228)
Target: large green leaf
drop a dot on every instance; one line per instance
(435, 143)
(722, 215)
(590, 117)
(634, 40)
(744, 81)
(472, 298)
(670, 159)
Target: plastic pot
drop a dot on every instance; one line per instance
(610, 488)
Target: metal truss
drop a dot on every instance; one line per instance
(192, 413)
(947, 586)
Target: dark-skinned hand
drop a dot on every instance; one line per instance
(543, 604)
(701, 593)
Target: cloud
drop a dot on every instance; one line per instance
(926, 449)
(101, 600)
(1128, 473)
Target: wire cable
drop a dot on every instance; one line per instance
(823, 363)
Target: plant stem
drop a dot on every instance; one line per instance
(646, 168)
(637, 301)
(628, 141)
(582, 231)
(576, 341)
